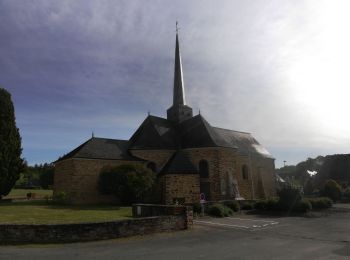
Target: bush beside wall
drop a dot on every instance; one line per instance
(219, 210)
(320, 203)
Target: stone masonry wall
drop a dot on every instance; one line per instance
(224, 162)
(17, 233)
(211, 155)
(245, 185)
(63, 176)
(181, 186)
(265, 179)
(78, 178)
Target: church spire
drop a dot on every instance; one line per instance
(179, 90)
(179, 111)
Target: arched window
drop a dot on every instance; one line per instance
(203, 169)
(152, 166)
(245, 172)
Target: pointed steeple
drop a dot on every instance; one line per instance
(179, 111)
(179, 90)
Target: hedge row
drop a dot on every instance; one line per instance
(273, 204)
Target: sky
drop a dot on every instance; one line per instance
(277, 69)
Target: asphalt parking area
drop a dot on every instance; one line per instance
(326, 236)
(246, 223)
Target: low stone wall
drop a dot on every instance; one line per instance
(10, 234)
(150, 210)
(151, 219)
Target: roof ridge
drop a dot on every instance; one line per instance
(157, 117)
(211, 131)
(231, 130)
(138, 131)
(74, 151)
(108, 139)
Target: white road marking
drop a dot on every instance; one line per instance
(254, 226)
(268, 221)
(220, 224)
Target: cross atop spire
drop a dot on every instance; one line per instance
(179, 111)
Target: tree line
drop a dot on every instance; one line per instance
(335, 167)
(37, 176)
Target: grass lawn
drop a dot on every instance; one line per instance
(16, 193)
(39, 212)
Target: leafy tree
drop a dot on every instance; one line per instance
(39, 175)
(332, 190)
(286, 171)
(129, 183)
(46, 175)
(11, 163)
(289, 197)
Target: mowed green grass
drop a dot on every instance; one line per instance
(15, 193)
(39, 212)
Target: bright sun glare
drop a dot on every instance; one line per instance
(320, 76)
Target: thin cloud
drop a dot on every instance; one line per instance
(251, 66)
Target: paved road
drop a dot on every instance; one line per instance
(326, 237)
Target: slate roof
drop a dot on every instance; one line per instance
(245, 142)
(159, 133)
(154, 133)
(196, 132)
(101, 148)
(179, 163)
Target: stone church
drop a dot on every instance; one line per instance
(190, 156)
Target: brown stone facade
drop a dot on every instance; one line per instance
(225, 169)
(78, 178)
(180, 188)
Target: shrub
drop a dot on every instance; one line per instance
(129, 183)
(269, 204)
(247, 206)
(302, 206)
(320, 203)
(60, 198)
(332, 190)
(260, 205)
(289, 197)
(219, 210)
(197, 208)
(227, 211)
(232, 204)
(346, 196)
(272, 204)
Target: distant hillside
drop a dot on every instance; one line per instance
(335, 167)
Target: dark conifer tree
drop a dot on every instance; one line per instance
(11, 163)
